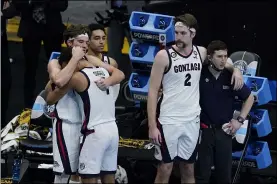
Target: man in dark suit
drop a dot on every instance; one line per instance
(7, 12)
(41, 20)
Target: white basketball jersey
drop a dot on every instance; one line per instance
(97, 106)
(106, 59)
(116, 87)
(180, 100)
(68, 109)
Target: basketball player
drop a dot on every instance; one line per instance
(67, 108)
(175, 130)
(100, 134)
(96, 48)
(97, 44)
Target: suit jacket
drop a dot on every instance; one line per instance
(29, 27)
(7, 14)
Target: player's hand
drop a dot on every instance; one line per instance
(234, 126)
(6, 5)
(102, 84)
(155, 135)
(237, 79)
(78, 53)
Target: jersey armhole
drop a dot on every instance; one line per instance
(169, 62)
(108, 58)
(81, 71)
(199, 53)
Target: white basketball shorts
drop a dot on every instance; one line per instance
(99, 151)
(66, 146)
(179, 141)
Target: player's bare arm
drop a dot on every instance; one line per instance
(113, 62)
(159, 67)
(237, 77)
(203, 54)
(61, 77)
(77, 83)
(246, 106)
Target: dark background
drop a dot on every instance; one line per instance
(243, 25)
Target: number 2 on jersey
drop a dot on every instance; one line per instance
(187, 80)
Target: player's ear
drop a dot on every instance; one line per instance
(69, 43)
(209, 57)
(192, 32)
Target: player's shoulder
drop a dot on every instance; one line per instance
(201, 49)
(203, 53)
(162, 58)
(162, 53)
(111, 59)
(113, 62)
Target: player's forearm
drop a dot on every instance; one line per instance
(61, 78)
(152, 107)
(53, 96)
(47, 88)
(230, 67)
(247, 105)
(116, 77)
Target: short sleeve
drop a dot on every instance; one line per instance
(243, 93)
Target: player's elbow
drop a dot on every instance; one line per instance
(122, 75)
(57, 81)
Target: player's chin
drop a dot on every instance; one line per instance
(180, 45)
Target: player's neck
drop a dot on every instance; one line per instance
(96, 54)
(184, 51)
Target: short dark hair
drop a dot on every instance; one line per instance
(65, 55)
(75, 30)
(188, 19)
(215, 46)
(93, 26)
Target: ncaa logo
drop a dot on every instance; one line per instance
(162, 38)
(173, 54)
(48, 111)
